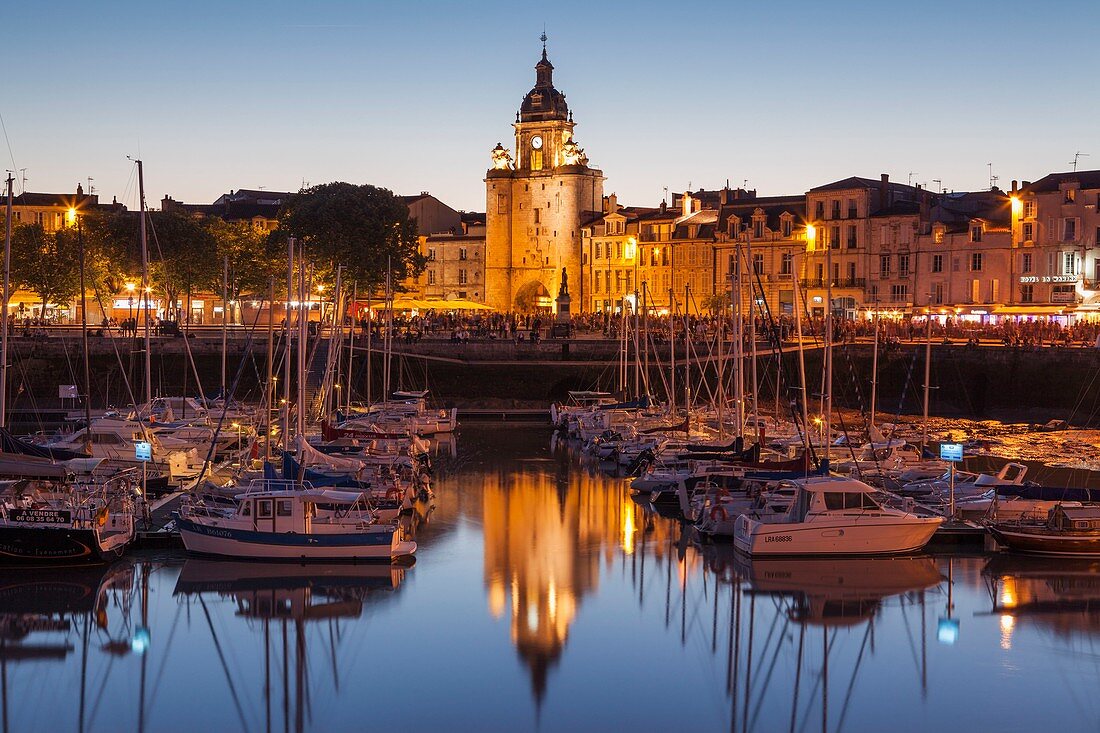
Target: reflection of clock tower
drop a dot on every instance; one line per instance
(534, 208)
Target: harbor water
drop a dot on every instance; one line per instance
(543, 597)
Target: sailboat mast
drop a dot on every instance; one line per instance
(738, 345)
(388, 354)
(687, 355)
(721, 369)
(288, 334)
(303, 340)
(874, 366)
(145, 285)
(7, 298)
(645, 335)
(927, 373)
(828, 416)
(84, 341)
(672, 350)
(269, 392)
(225, 319)
(805, 403)
(351, 340)
(752, 332)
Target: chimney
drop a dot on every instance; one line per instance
(79, 190)
(687, 203)
(884, 191)
(1015, 188)
(925, 209)
(612, 203)
(724, 195)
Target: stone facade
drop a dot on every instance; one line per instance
(535, 202)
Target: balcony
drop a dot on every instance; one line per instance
(844, 282)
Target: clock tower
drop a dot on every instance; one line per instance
(536, 200)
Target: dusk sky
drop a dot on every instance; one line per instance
(413, 95)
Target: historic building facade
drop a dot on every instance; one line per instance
(535, 202)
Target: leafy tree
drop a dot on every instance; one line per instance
(183, 258)
(253, 257)
(718, 303)
(47, 264)
(359, 227)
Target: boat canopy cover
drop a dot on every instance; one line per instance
(1049, 493)
(11, 444)
(14, 465)
(639, 404)
(291, 469)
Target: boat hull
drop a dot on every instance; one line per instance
(1040, 542)
(863, 538)
(59, 544)
(381, 543)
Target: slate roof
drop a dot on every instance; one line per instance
(1051, 182)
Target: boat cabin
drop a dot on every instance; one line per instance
(827, 494)
(1070, 518)
(297, 510)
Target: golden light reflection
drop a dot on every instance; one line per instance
(1008, 623)
(1008, 593)
(547, 534)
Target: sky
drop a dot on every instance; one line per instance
(411, 96)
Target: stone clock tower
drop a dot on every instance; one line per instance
(535, 202)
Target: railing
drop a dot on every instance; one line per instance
(847, 282)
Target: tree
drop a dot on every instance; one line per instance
(47, 264)
(718, 303)
(359, 227)
(253, 256)
(183, 258)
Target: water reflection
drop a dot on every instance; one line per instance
(545, 597)
(546, 533)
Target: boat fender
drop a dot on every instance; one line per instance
(718, 513)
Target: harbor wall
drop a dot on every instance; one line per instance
(975, 382)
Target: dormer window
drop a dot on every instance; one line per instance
(1071, 195)
(976, 232)
(785, 226)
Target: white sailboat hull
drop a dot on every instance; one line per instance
(867, 535)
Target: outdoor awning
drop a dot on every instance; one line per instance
(1030, 310)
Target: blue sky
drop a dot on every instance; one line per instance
(413, 95)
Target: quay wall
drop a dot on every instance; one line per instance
(992, 382)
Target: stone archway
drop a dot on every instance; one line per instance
(533, 298)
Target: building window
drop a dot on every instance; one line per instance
(1063, 294)
(1069, 229)
(899, 293)
(786, 227)
(976, 262)
(431, 277)
(536, 160)
(1029, 209)
(937, 293)
(461, 277)
(853, 212)
(937, 263)
(834, 237)
(937, 236)
(1025, 262)
(38, 217)
(461, 253)
(1071, 195)
(599, 250)
(1027, 293)
(502, 203)
(1029, 232)
(836, 209)
(884, 266)
(819, 210)
(619, 250)
(1069, 263)
(786, 264)
(852, 273)
(903, 265)
(758, 229)
(976, 233)
(851, 236)
(757, 264)
(538, 218)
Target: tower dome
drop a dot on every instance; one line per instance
(543, 102)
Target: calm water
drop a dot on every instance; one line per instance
(544, 598)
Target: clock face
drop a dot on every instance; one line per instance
(536, 142)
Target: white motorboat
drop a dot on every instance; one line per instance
(283, 520)
(832, 515)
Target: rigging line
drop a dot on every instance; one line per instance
(225, 667)
(852, 682)
(7, 141)
(817, 683)
(771, 670)
(164, 660)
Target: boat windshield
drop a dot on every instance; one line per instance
(835, 500)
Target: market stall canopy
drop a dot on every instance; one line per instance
(1030, 310)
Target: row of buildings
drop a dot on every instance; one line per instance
(876, 245)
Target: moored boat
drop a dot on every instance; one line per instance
(281, 520)
(1067, 530)
(831, 515)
